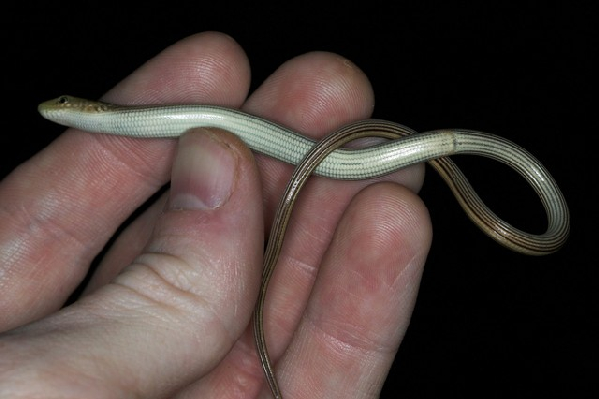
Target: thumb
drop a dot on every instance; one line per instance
(171, 316)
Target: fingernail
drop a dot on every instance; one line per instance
(203, 173)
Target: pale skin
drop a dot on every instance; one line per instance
(167, 313)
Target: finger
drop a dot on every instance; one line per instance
(58, 210)
(313, 94)
(361, 304)
(175, 312)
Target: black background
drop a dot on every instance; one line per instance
(487, 322)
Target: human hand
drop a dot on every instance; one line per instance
(167, 312)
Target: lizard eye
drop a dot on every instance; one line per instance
(63, 100)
